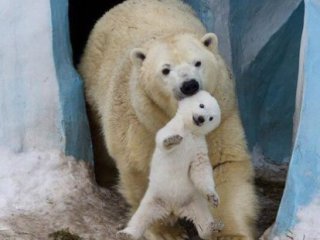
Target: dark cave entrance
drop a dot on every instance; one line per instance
(83, 15)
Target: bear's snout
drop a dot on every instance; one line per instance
(190, 87)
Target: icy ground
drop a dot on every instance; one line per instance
(43, 192)
(307, 227)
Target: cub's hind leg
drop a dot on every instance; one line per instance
(198, 212)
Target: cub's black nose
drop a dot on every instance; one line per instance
(198, 120)
(201, 119)
(190, 87)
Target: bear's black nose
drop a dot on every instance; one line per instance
(190, 87)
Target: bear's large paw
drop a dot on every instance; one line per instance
(124, 236)
(165, 232)
(216, 226)
(212, 227)
(172, 141)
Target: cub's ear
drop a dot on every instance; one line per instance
(137, 56)
(210, 41)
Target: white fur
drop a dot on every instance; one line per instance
(181, 177)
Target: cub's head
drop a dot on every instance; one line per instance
(200, 112)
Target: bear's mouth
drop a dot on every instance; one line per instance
(196, 121)
(178, 95)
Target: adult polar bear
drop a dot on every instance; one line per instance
(134, 92)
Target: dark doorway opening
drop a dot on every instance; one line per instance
(83, 14)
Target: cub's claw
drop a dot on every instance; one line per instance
(172, 141)
(213, 199)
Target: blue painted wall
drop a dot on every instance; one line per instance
(303, 178)
(74, 123)
(202, 7)
(267, 85)
(260, 42)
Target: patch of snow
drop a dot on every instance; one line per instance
(43, 192)
(308, 224)
(307, 227)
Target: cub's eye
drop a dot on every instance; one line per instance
(197, 64)
(165, 71)
(201, 105)
(211, 118)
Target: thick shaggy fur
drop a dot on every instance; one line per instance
(133, 100)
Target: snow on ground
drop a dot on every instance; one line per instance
(307, 227)
(308, 224)
(43, 192)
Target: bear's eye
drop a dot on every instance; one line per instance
(201, 105)
(198, 63)
(211, 118)
(165, 71)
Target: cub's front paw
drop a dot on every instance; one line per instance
(213, 199)
(172, 141)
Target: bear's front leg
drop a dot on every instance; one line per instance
(201, 175)
(237, 202)
(234, 178)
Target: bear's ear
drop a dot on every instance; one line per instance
(137, 56)
(210, 41)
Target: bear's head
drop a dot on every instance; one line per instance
(175, 67)
(200, 113)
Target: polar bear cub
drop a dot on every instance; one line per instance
(181, 177)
